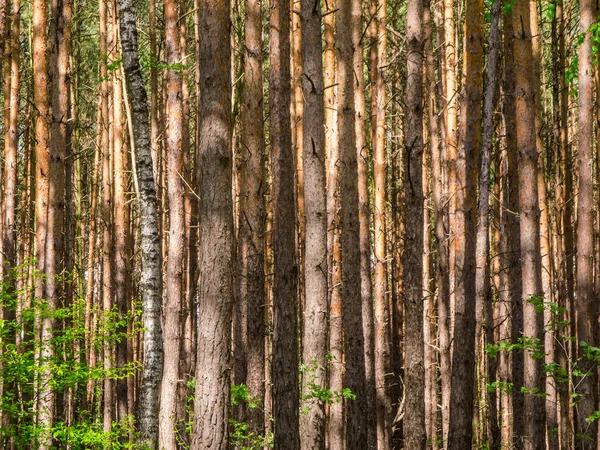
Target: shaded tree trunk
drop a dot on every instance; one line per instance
(414, 371)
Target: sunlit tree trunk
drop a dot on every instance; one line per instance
(211, 403)
(586, 385)
(314, 342)
(151, 279)
(529, 213)
(364, 213)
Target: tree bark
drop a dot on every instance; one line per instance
(352, 320)
(314, 341)
(586, 384)
(414, 422)
(285, 278)
(251, 216)
(211, 403)
(529, 213)
(151, 279)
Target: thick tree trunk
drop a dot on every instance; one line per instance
(529, 213)
(151, 279)
(211, 403)
(414, 422)
(463, 355)
(314, 341)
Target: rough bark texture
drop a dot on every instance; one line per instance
(465, 197)
(414, 371)
(251, 217)
(48, 209)
(151, 279)
(211, 403)
(485, 325)
(175, 256)
(285, 278)
(380, 288)
(314, 342)
(356, 430)
(529, 213)
(586, 385)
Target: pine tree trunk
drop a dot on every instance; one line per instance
(251, 216)
(314, 342)
(414, 371)
(285, 278)
(586, 385)
(529, 213)
(211, 404)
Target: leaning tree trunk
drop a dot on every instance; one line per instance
(151, 280)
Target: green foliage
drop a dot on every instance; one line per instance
(312, 390)
(239, 436)
(66, 369)
(241, 439)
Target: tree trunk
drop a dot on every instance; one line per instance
(48, 245)
(314, 342)
(414, 422)
(211, 404)
(251, 216)
(356, 430)
(485, 325)
(586, 385)
(533, 374)
(151, 280)
(175, 255)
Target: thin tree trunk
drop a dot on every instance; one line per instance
(251, 216)
(356, 423)
(381, 312)
(175, 256)
(414, 423)
(586, 384)
(485, 325)
(364, 211)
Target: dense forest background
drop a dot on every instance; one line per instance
(341, 224)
